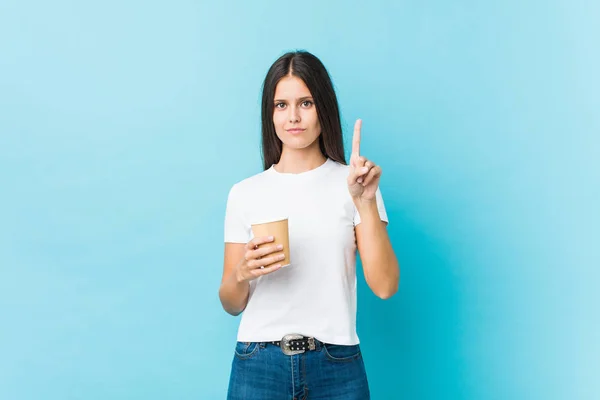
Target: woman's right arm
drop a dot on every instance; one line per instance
(233, 293)
(242, 263)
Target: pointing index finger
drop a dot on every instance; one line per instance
(356, 138)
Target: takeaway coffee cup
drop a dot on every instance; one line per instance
(279, 230)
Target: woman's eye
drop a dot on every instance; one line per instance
(307, 103)
(280, 105)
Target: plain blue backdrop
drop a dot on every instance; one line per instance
(124, 124)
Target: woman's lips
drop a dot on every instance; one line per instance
(295, 131)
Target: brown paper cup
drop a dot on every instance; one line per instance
(279, 230)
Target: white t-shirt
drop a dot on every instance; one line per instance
(316, 295)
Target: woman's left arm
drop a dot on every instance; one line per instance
(379, 261)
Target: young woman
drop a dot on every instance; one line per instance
(297, 335)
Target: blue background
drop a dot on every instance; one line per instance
(124, 124)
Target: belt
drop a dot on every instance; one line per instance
(295, 344)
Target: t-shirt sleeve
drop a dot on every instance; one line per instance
(236, 229)
(380, 207)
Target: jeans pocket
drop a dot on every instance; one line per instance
(245, 350)
(341, 353)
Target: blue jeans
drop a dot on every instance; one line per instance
(261, 371)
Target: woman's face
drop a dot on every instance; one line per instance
(294, 114)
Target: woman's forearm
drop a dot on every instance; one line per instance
(234, 294)
(379, 261)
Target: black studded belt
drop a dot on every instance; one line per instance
(295, 344)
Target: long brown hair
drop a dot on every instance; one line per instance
(311, 70)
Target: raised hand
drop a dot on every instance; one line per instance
(363, 179)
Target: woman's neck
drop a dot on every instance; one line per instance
(296, 162)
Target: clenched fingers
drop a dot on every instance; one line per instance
(257, 241)
(373, 173)
(264, 271)
(264, 261)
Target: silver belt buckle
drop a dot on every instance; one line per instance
(285, 344)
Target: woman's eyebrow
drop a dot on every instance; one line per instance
(298, 99)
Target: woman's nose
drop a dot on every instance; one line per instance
(294, 116)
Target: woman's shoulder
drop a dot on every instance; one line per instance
(339, 168)
(338, 165)
(251, 182)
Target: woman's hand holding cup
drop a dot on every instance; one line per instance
(259, 261)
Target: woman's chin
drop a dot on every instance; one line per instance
(299, 143)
